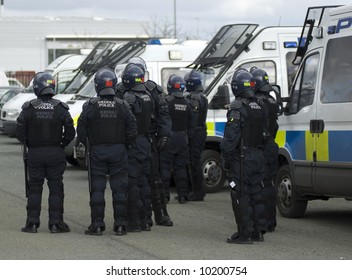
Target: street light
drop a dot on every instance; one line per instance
(175, 33)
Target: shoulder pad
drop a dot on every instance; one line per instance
(169, 97)
(55, 102)
(94, 100)
(65, 105)
(118, 100)
(121, 88)
(236, 104)
(36, 102)
(26, 104)
(195, 96)
(150, 85)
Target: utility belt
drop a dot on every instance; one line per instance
(42, 145)
(178, 132)
(259, 147)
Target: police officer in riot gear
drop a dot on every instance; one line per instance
(45, 126)
(139, 203)
(107, 127)
(199, 104)
(159, 133)
(242, 155)
(271, 149)
(177, 152)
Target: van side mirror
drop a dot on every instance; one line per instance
(221, 99)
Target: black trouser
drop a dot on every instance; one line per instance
(248, 204)
(176, 156)
(139, 198)
(271, 151)
(196, 147)
(158, 196)
(47, 162)
(110, 159)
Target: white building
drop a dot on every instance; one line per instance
(31, 43)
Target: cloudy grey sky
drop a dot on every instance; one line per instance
(199, 19)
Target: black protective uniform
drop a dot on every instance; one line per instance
(109, 125)
(159, 130)
(271, 150)
(242, 154)
(176, 156)
(159, 133)
(139, 202)
(45, 126)
(199, 104)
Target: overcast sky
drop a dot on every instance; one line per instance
(195, 18)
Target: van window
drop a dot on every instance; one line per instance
(291, 69)
(304, 90)
(336, 85)
(268, 66)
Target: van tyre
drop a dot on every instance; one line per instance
(213, 175)
(289, 204)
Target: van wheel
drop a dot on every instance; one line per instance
(288, 202)
(213, 175)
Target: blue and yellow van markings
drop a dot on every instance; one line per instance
(329, 146)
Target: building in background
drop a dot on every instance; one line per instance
(30, 43)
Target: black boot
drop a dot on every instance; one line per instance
(59, 228)
(31, 228)
(93, 230)
(237, 238)
(120, 230)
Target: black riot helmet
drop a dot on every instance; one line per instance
(105, 81)
(194, 81)
(43, 84)
(132, 75)
(261, 79)
(242, 81)
(176, 85)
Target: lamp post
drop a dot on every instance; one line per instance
(175, 33)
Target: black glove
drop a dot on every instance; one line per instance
(224, 164)
(162, 143)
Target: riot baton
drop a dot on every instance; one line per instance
(242, 167)
(25, 158)
(89, 167)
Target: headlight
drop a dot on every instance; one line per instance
(12, 113)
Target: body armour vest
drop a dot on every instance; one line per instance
(178, 112)
(44, 126)
(253, 131)
(107, 125)
(198, 104)
(142, 107)
(273, 110)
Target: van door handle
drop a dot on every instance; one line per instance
(316, 126)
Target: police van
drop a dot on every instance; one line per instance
(315, 134)
(239, 45)
(163, 58)
(62, 69)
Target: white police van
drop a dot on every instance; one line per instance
(162, 59)
(315, 136)
(62, 69)
(239, 45)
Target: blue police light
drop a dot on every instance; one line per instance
(288, 45)
(153, 42)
